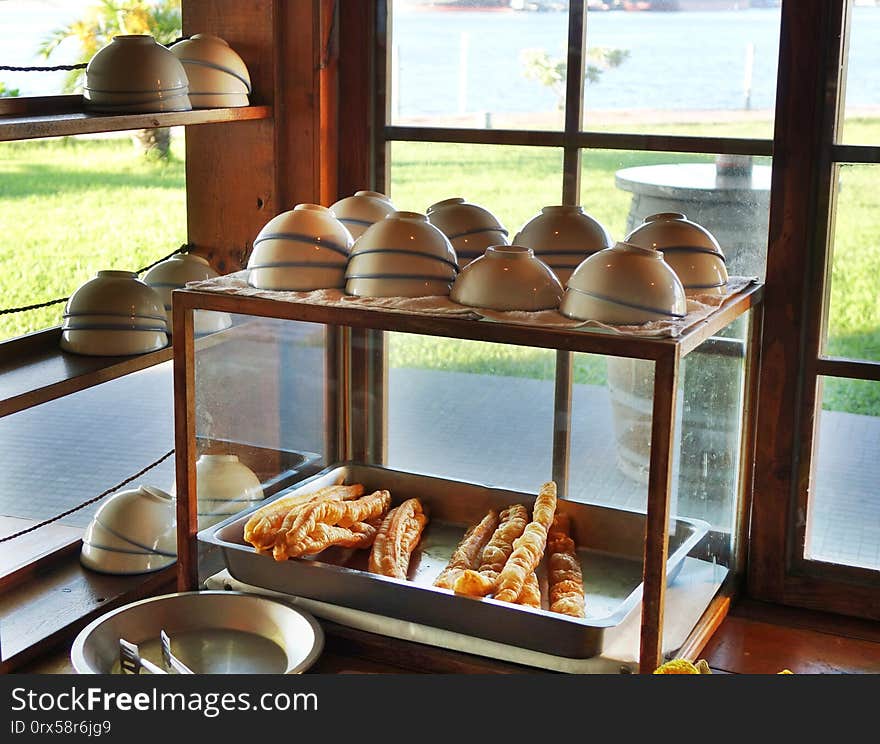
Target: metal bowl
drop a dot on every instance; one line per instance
(213, 632)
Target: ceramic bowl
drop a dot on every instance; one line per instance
(114, 314)
(303, 249)
(224, 485)
(174, 273)
(135, 70)
(625, 284)
(690, 249)
(362, 209)
(470, 228)
(507, 277)
(563, 236)
(218, 77)
(133, 532)
(401, 255)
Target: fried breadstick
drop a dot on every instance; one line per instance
(261, 530)
(341, 513)
(397, 538)
(528, 549)
(565, 578)
(468, 551)
(530, 596)
(359, 535)
(481, 582)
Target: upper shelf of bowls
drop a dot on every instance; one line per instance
(136, 74)
(562, 258)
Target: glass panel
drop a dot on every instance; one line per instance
(621, 188)
(261, 391)
(861, 120)
(493, 67)
(471, 410)
(71, 206)
(641, 75)
(60, 454)
(68, 32)
(513, 183)
(853, 326)
(843, 513)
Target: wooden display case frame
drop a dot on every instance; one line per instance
(355, 365)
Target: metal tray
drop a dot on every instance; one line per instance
(611, 544)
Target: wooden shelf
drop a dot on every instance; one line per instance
(34, 370)
(30, 125)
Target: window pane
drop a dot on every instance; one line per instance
(843, 517)
(853, 327)
(643, 74)
(513, 183)
(72, 206)
(460, 67)
(471, 410)
(861, 123)
(621, 188)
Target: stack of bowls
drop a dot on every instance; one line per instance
(303, 249)
(624, 285)
(470, 228)
(173, 273)
(507, 277)
(690, 249)
(402, 255)
(362, 209)
(218, 77)
(114, 314)
(135, 74)
(563, 236)
(133, 532)
(224, 486)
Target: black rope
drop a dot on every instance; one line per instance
(90, 501)
(186, 247)
(80, 66)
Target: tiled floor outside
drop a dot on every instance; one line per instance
(494, 430)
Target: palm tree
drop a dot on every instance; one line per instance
(106, 19)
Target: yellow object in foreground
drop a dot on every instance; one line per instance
(683, 666)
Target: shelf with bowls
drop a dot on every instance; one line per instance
(34, 369)
(25, 126)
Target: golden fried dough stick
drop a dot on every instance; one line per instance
(359, 535)
(341, 513)
(468, 551)
(261, 529)
(530, 596)
(481, 582)
(528, 549)
(565, 578)
(397, 538)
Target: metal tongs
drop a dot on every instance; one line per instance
(172, 663)
(131, 661)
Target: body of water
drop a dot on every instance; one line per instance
(452, 62)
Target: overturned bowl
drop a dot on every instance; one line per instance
(360, 210)
(212, 632)
(507, 277)
(218, 77)
(401, 255)
(224, 486)
(133, 532)
(174, 273)
(562, 236)
(689, 248)
(470, 228)
(303, 249)
(134, 72)
(626, 285)
(114, 314)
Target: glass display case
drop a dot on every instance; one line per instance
(647, 437)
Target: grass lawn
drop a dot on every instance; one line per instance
(72, 206)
